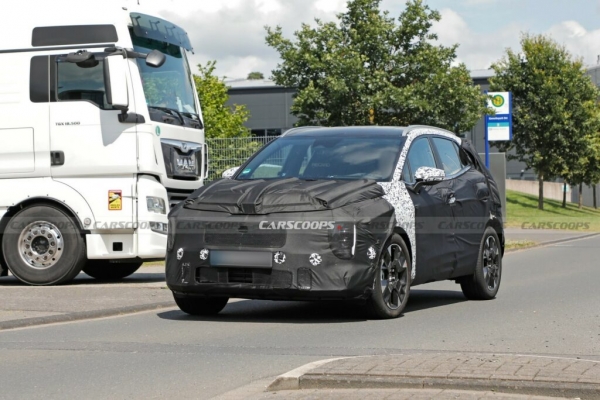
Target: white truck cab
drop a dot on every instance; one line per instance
(100, 133)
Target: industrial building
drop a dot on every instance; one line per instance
(269, 106)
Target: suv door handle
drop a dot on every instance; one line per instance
(57, 158)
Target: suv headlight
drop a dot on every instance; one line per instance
(170, 235)
(342, 240)
(156, 205)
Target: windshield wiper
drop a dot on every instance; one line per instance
(171, 111)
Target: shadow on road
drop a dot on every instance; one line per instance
(292, 312)
(83, 279)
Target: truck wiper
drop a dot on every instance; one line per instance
(171, 111)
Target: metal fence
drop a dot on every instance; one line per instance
(231, 152)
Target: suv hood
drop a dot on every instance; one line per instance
(281, 195)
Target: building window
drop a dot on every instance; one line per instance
(272, 132)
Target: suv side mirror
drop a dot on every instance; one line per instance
(427, 176)
(115, 82)
(229, 173)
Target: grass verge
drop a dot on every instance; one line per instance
(522, 212)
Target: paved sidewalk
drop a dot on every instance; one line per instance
(518, 374)
(22, 305)
(396, 394)
(543, 236)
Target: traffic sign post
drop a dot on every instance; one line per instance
(498, 127)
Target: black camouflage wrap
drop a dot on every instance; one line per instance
(227, 215)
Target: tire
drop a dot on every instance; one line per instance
(389, 297)
(485, 282)
(43, 246)
(107, 271)
(201, 305)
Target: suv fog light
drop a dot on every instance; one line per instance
(204, 254)
(279, 257)
(159, 227)
(315, 259)
(156, 205)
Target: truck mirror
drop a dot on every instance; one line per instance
(115, 82)
(155, 59)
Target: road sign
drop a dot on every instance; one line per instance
(498, 127)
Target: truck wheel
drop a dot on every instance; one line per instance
(392, 280)
(201, 305)
(43, 246)
(485, 282)
(105, 270)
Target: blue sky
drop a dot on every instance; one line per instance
(232, 31)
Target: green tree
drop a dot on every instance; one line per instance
(255, 75)
(554, 109)
(370, 68)
(229, 141)
(220, 119)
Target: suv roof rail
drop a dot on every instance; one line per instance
(413, 127)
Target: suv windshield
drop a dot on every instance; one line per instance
(169, 87)
(311, 158)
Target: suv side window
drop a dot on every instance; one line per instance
(81, 83)
(467, 160)
(448, 152)
(420, 155)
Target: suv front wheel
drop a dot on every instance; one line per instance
(392, 280)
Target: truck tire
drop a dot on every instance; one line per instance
(201, 305)
(42, 245)
(107, 271)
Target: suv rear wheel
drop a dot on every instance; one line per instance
(485, 282)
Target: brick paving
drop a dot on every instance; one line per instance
(465, 367)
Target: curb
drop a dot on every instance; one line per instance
(291, 380)
(552, 242)
(551, 389)
(303, 378)
(82, 315)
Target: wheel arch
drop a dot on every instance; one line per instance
(497, 226)
(399, 231)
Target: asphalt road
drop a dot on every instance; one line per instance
(548, 304)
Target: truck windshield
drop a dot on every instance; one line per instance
(168, 89)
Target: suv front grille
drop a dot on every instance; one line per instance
(251, 276)
(254, 237)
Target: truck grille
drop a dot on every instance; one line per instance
(177, 195)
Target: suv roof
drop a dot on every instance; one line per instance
(356, 130)
(345, 130)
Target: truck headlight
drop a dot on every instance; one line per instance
(159, 227)
(156, 205)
